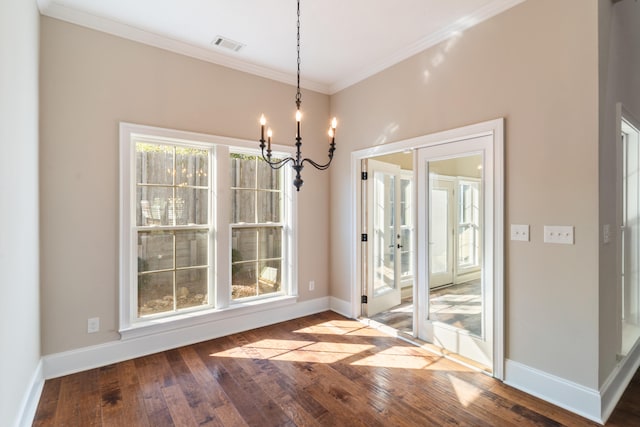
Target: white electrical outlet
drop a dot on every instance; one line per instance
(93, 325)
(562, 234)
(312, 285)
(520, 232)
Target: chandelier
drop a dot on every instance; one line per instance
(297, 162)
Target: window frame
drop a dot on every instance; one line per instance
(220, 305)
(283, 224)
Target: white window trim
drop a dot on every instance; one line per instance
(221, 307)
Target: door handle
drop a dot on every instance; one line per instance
(399, 245)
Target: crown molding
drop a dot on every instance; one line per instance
(59, 11)
(491, 9)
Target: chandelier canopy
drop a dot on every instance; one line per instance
(297, 162)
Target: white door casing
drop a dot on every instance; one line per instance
(493, 129)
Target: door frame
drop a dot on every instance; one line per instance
(494, 128)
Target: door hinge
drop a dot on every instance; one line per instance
(364, 237)
(365, 176)
(363, 299)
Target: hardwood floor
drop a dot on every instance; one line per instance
(320, 370)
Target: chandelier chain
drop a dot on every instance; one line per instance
(298, 94)
(296, 161)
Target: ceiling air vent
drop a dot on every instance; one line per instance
(227, 43)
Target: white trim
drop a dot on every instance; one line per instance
(616, 383)
(493, 128)
(341, 306)
(69, 362)
(60, 11)
(566, 394)
(29, 403)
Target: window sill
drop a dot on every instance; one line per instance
(156, 326)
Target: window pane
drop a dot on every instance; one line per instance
(268, 179)
(191, 207)
(243, 171)
(243, 206)
(154, 164)
(191, 248)
(243, 280)
(268, 206)
(155, 251)
(244, 244)
(155, 293)
(270, 242)
(192, 166)
(151, 206)
(270, 276)
(191, 287)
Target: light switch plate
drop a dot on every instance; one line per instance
(520, 232)
(562, 234)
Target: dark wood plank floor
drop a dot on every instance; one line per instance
(321, 370)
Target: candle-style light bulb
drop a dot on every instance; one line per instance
(330, 133)
(334, 123)
(263, 122)
(298, 116)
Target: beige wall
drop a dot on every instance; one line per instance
(537, 66)
(19, 253)
(619, 35)
(90, 81)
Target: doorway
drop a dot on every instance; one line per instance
(629, 248)
(465, 257)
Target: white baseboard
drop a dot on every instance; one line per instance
(30, 401)
(341, 306)
(571, 396)
(82, 359)
(616, 383)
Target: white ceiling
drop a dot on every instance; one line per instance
(342, 41)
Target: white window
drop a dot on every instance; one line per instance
(256, 227)
(206, 226)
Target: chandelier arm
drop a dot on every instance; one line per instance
(277, 164)
(317, 165)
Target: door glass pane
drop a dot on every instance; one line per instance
(406, 228)
(455, 249)
(383, 233)
(438, 242)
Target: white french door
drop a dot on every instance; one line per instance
(384, 236)
(475, 241)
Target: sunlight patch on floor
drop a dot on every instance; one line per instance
(466, 392)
